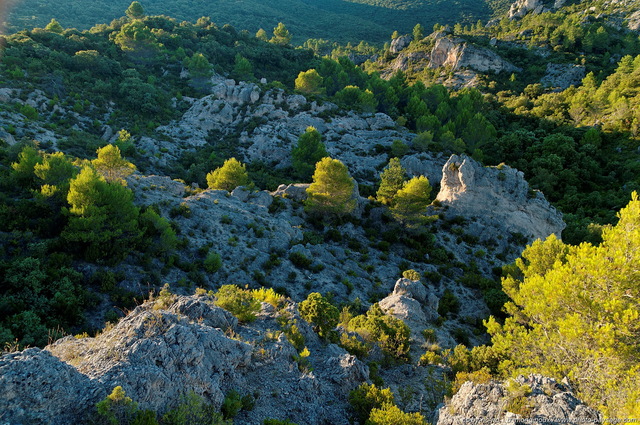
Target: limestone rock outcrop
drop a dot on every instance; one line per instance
(400, 43)
(562, 76)
(457, 53)
(497, 201)
(522, 7)
(548, 402)
(167, 348)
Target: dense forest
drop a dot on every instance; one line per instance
(336, 20)
(67, 216)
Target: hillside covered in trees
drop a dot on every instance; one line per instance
(350, 218)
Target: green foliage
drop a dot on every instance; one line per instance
(277, 422)
(410, 202)
(158, 235)
(135, 10)
(118, 409)
(213, 262)
(309, 82)
(391, 334)
(231, 175)
(239, 302)
(331, 193)
(54, 26)
(411, 275)
(104, 221)
(242, 68)
(231, 405)
(591, 339)
(193, 410)
(448, 303)
(112, 166)
(281, 35)
(198, 66)
(391, 181)
(367, 397)
(24, 169)
(392, 415)
(307, 153)
(318, 311)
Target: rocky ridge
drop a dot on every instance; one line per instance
(532, 399)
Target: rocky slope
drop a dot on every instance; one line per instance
(526, 399)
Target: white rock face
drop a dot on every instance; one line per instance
(522, 7)
(634, 21)
(563, 76)
(400, 43)
(497, 199)
(551, 403)
(158, 354)
(456, 53)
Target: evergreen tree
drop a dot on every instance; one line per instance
(331, 192)
(231, 175)
(104, 221)
(574, 313)
(281, 35)
(54, 26)
(135, 10)
(112, 166)
(318, 311)
(391, 181)
(307, 153)
(418, 32)
(198, 66)
(55, 171)
(262, 35)
(411, 201)
(242, 68)
(309, 82)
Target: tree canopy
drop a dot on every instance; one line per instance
(391, 181)
(411, 201)
(331, 192)
(231, 175)
(306, 154)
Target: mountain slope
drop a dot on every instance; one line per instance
(330, 19)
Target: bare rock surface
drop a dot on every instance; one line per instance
(488, 403)
(497, 200)
(562, 76)
(457, 53)
(400, 43)
(166, 348)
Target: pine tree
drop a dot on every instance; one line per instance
(331, 193)
(411, 201)
(135, 10)
(309, 82)
(231, 175)
(54, 26)
(281, 35)
(418, 32)
(307, 153)
(112, 166)
(391, 181)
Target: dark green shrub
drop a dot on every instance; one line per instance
(300, 260)
(318, 311)
(367, 397)
(231, 405)
(213, 262)
(193, 410)
(448, 304)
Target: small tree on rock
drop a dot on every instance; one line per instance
(112, 166)
(391, 181)
(411, 201)
(331, 192)
(307, 153)
(231, 175)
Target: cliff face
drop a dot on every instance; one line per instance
(456, 53)
(497, 200)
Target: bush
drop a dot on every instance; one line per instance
(411, 275)
(300, 260)
(213, 262)
(448, 304)
(231, 405)
(367, 397)
(390, 414)
(231, 175)
(239, 302)
(193, 410)
(318, 311)
(118, 409)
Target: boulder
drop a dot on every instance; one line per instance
(549, 401)
(497, 199)
(457, 53)
(522, 7)
(400, 43)
(295, 191)
(562, 76)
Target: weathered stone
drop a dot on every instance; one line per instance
(498, 198)
(457, 53)
(295, 191)
(400, 43)
(562, 76)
